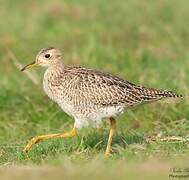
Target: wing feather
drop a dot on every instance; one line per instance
(104, 89)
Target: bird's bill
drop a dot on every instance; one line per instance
(29, 66)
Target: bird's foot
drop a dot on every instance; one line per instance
(107, 155)
(31, 143)
(37, 139)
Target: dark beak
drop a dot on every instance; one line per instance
(29, 66)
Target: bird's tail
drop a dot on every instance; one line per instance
(150, 94)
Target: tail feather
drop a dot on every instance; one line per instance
(149, 94)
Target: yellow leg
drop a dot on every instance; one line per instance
(112, 131)
(37, 139)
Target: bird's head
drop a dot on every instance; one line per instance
(46, 57)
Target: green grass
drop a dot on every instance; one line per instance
(146, 42)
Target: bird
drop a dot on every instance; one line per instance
(89, 96)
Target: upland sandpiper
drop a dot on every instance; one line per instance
(88, 95)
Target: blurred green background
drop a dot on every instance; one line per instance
(145, 42)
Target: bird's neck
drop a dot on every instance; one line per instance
(55, 70)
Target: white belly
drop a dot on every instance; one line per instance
(96, 118)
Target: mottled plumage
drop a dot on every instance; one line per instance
(89, 95)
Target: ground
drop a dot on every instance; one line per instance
(145, 42)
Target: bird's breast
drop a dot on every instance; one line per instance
(48, 90)
(60, 94)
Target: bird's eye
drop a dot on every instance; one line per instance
(47, 55)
